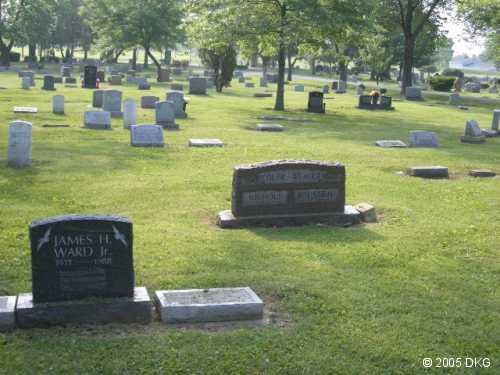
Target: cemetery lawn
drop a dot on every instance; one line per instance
(373, 299)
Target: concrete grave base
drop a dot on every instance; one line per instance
(471, 139)
(350, 216)
(116, 114)
(169, 126)
(262, 95)
(7, 312)
(491, 133)
(97, 126)
(136, 309)
(429, 172)
(208, 305)
(206, 143)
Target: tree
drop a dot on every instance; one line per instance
(10, 13)
(413, 17)
(36, 24)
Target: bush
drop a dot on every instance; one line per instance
(485, 86)
(453, 73)
(241, 67)
(441, 83)
(14, 57)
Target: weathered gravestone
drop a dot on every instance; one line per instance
(482, 173)
(112, 102)
(474, 87)
(315, 103)
(263, 82)
(19, 149)
(495, 125)
(341, 87)
(263, 95)
(455, 99)
(143, 84)
(58, 79)
(250, 85)
(288, 192)
(423, 139)
(146, 136)
(149, 102)
(299, 88)
(180, 103)
(48, 83)
(429, 172)
(165, 115)
(129, 113)
(66, 71)
(116, 80)
(241, 79)
(82, 272)
(391, 144)
(326, 89)
(208, 305)
(365, 101)
(26, 83)
(177, 87)
(473, 133)
(198, 86)
(25, 109)
(97, 120)
(413, 93)
(58, 105)
(90, 77)
(70, 80)
(29, 74)
(206, 143)
(164, 75)
(97, 98)
(270, 127)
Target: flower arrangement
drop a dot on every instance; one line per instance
(375, 93)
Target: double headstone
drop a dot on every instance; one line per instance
(48, 83)
(165, 115)
(129, 113)
(423, 139)
(112, 102)
(146, 136)
(180, 103)
(288, 192)
(58, 105)
(19, 149)
(473, 133)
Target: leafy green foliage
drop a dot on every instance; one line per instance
(442, 83)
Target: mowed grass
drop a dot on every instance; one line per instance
(373, 299)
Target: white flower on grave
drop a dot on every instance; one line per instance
(45, 239)
(119, 236)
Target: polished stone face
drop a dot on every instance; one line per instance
(288, 187)
(146, 136)
(90, 77)
(79, 256)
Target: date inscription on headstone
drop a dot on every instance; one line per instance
(79, 256)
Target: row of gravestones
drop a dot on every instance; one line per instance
(82, 266)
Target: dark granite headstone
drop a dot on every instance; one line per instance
(76, 256)
(315, 104)
(48, 83)
(289, 192)
(90, 77)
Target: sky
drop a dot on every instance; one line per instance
(457, 32)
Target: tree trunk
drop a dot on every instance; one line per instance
(280, 87)
(5, 55)
(313, 67)
(290, 67)
(343, 71)
(85, 54)
(146, 62)
(32, 52)
(134, 59)
(407, 63)
(155, 61)
(265, 63)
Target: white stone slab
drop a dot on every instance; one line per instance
(7, 312)
(146, 136)
(208, 305)
(206, 143)
(25, 110)
(391, 144)
(270, 127)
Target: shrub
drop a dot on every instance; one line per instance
(441, 83)
(453, 73)
(14, 57)
(485, 86)
(241, 67)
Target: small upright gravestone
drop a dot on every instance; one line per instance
(180, 103)
(423, 139)
(413, 93)
(288, 192)
(48, 83)
(455, 99)
(177, 87)
(263, 82)
(97, 120)
(299, 88)
(129, 113)
(165, 115)
(82, 272)
(143, 84)
(90, 77)
(19, 151)
(66, 71)
(473, 133)
(26, 83)
(316, 104)
(112, 102)
(341, 87)
(198, 86)
(164, 75)
(326, 89)
(70, 80)
(58, 105)
(146, 136)
(116, 80)
(149, 102)
(97, 98)
(250, 85)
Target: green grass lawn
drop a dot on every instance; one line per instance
(372, 299)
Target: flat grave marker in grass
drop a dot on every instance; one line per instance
(206, 143)
(82, 272)
(25, 110)
(208, 305)
(391, 144)
(146, 136)
(100, 120)
(423, 139)
(270, 127)
(429, 172)
(288, 192)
